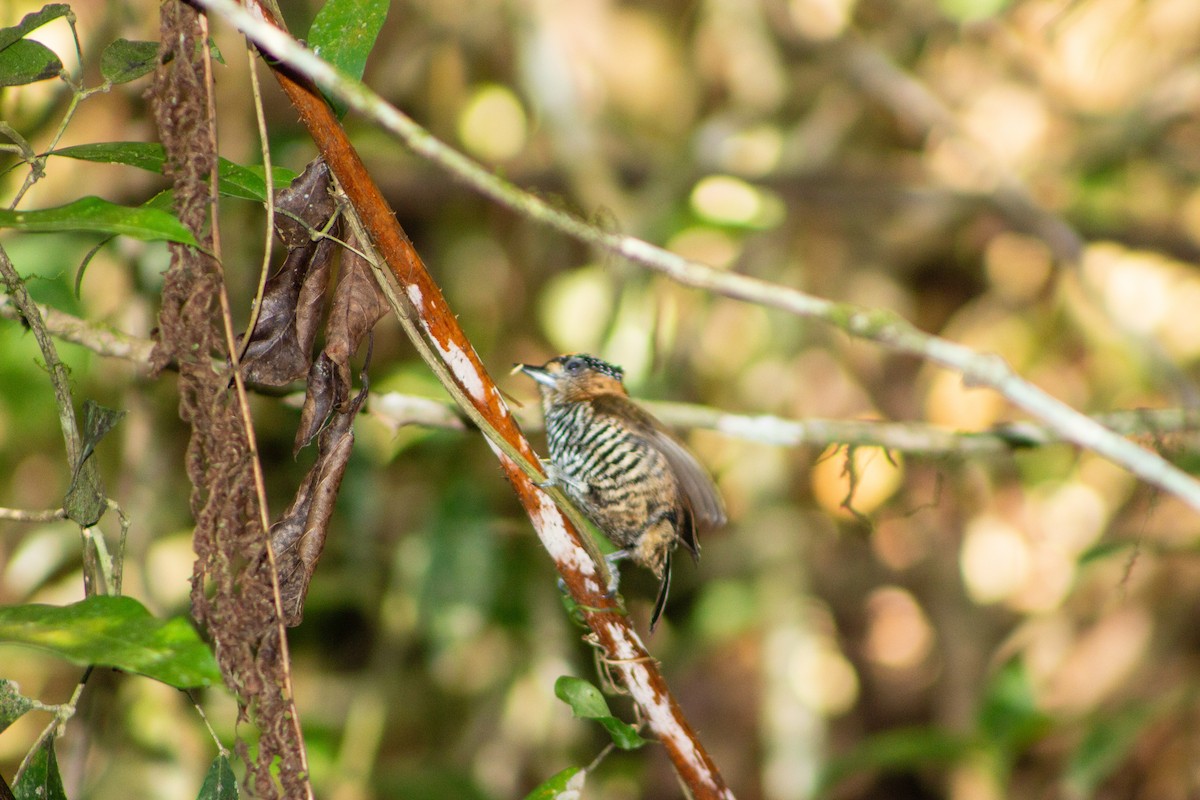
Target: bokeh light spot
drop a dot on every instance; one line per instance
(492, 124)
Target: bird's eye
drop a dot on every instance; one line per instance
(574, 366)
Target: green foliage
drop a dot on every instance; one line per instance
(95, 215)
(41, 779)
(1009, 717)
(1007, 722)
(972, 10)
(234, 180)
(33, 21)
(565, 785)
(13, 704)
(1106, 743)
(344, 32)
(125, 61)
(27, 61)
(115, 632)
(587, 702)
(904, 749)
(219, 783)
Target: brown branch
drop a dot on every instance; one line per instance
(414, 292)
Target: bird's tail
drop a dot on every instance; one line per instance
(661, 603)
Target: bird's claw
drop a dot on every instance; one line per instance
(557, 478)
(614, 574)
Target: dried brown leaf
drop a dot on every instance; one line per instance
(304, 206)
(322, 394)
(280, 349)
(299, 536)
(358, 303)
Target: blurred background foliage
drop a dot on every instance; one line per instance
(1016, 175)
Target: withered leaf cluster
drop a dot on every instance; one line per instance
(279, 350)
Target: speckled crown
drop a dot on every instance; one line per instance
(603, 367)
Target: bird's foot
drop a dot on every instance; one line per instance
(614, 573)
(556, 477)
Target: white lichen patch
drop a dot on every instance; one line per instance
(462, 369)
(561, 545)
(414, 296)
(501, 406)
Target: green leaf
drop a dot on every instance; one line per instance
(149, 156)
(219, 783)
(587, 702)
(98, 420)
(1103, 749)
(100, 216)
(1009, 718)
(12, 703)
(234, 180)
(31, 22)
(125, 60)
(1102, 550)
(41, 780)
(27, 61)
(86, 500)
(566, 785)
(903, 749)
(343, 33)
(114, 632)
(249, 183)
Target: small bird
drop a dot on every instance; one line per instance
(635, 481)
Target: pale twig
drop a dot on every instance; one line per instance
(269, 177)
(886, 328)
(97, 338)
(913, 438)
(23, 515)
(912, 101)
(397, 410)
(62, 714)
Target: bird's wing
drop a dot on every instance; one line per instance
(697, 486)
(704, 501)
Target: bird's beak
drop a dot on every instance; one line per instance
(537, 373)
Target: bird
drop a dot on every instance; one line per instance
(630, 477)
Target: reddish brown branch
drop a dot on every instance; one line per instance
(624, 649)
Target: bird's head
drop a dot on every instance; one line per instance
(571, 378)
